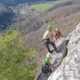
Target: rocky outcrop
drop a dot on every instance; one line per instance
(68, 59)
(56, 58)
(70, 66)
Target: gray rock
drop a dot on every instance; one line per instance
(70, 66)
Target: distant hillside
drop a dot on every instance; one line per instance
(4, 14)
(12, 2)
(64, 3)
(25, 20)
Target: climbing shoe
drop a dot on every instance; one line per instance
(51, 51)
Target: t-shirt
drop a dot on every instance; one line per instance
(47, 34)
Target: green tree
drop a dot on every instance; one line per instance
(12, 57)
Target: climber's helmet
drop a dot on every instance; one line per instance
(47, 60)
(50, 27)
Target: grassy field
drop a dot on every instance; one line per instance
(42, 7)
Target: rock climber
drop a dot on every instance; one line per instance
(46, 67)
(46, 39)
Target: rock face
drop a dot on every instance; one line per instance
(70, 66)
(55, 58)
(68, 59)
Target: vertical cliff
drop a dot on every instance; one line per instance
(70, 66)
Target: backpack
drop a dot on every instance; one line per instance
(45, 68)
